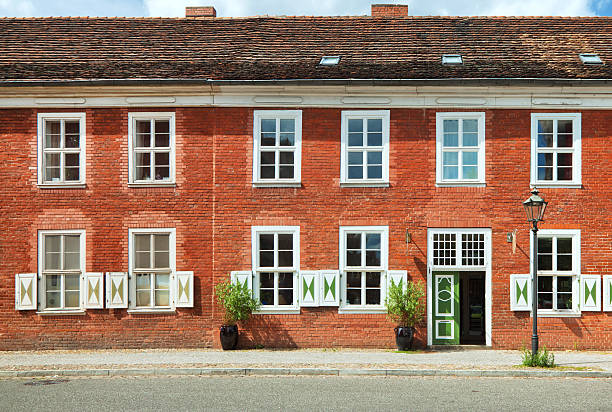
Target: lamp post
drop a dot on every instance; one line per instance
(534, 207)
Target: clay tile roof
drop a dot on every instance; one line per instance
(285, 48)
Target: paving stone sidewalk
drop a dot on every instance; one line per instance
(299, 358)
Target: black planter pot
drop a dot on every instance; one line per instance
(229, 336)
(403, 337)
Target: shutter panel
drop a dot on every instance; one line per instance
(26, 297)
(607, 293)
(309, 288)
(397, 277)
(116, 290)
(243, 277)
(183, 289)
(590, 292)
(330, 288)
(93, 291)
(520, 292)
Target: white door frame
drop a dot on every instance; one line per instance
(486, 268)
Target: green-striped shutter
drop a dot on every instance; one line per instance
(590, 292)
(117, 290)
(26, 297)
(520, 292)
(330, 288)
(93, 291)
(309, 288)
(607, 293)
(183, 289)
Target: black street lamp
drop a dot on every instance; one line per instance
(535, 207)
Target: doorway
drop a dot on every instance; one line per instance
(472, 308)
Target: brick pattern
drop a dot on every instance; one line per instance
(214, 205)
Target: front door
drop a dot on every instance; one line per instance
(472, 302)
(446, 310)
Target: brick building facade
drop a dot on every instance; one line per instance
(287, 182)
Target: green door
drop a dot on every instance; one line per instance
(445, 308)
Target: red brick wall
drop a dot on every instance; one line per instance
(214, 206)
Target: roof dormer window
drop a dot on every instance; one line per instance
(452, 59)
(590, 58)
(329, 61)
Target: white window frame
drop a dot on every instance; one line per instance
(295, 231)
(575, 272)
(576, 118)
(383, 269)
(42, 272)
(297, 148)
(364, 114)
(132, 118)
(481, 149)
(132, 272)
(41, 125)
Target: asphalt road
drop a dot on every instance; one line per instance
(306, 393)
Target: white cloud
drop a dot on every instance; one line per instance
(14, 8)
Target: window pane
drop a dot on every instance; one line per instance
(53, 300)
(372, 280)
(564, 301)
(71, 299)
(285, 172)
(285, 258)
(564, 284)
(451, 172)
(71, 134)
(470, 126)
(267, 158)
(142, 243)
(545, 301)
(353, 296)
(545, 126)
(143, 133)
(374, 158)
(162, 173)
(470, 139)
(287, 139)
(286, 158)
(143, 173)
(353, 240)
(162, 282)
(266, 280)
(285, 280)
(355, 139)
(266, 297)
(564, 159)
(162, 259)
(162, 126)
(544, 245)
(373, 241)
(451, 139)
(266, 242)
(564, 126)
(268, 139)
(52, 135)
(162, 140)
(564, 173)
(450, 158)
(52, 252)
(71, 174)
(353, 258)
(355, 158)
(545, 140)
(71, 159)
(470, 172)
(268, 125)
(71, 282)
(143, 126)
(267, 172)
(52, 283)
(162, 159)
(353, 279)
(285, 297)
(285, 241)
(545, 159)
(287, 125)
(355, 172)
(375, 125)
(266, 259)
(545, 283)
(143, 159)
(372, 258)
(545, 173)
(564, 245)
(470, 158)
(52, 174)
(143, 298)
(564, 262)
(372, 296)
(162, 298)
(355, 125)
(451, 126)
(565, 140)
(374, 139)
(544, 262)
(143, 281)
(72, 261)
(374, 172)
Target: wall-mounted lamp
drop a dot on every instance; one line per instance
(408, 236)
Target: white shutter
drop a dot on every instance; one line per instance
(93, 291)
(26, 297)
(607, 293)
(520, 292)
(116, 290)
(330, 288)
(183, 289)
(590, 292)
(397, 277)
(309, 288)
(243, 277)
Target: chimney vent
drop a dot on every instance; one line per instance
(389, 10)
(196, 12)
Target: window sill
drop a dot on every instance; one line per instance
(291, 310)
(558, 314)
(461, 184)
(165, 184)
(277, 184)
(62, 185)
(61, 312)
(557, 185)
(364, 184)
(362, 310)
(151, 311)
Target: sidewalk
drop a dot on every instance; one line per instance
(296, 362)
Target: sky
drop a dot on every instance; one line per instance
(235, 8)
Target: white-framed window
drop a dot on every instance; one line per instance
(151, 140)
(556, 149)
(460, 148)
(363, 267)
(364, 159)
(276, 264)
(61, 262)
(277, 147)
(61, 149)
(459, 248)
(152, 261)
(558, 271)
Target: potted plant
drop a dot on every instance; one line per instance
(404, 307)
(238, 303)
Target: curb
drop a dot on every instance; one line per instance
(304, 372)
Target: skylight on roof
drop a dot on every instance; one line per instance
(590, 58)
(329, 60)
(452, 59)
